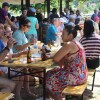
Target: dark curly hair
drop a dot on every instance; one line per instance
(72, 30)
(88, 28)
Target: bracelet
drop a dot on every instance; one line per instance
(7, 48)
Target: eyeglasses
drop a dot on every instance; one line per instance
(28, 26)
(9, 32)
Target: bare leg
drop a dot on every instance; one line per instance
(7, 85)
(18, 88)
(26, 85)
(52, 95)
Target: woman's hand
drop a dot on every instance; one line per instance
(32, 41)
(9, 56)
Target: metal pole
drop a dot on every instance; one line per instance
(48, 7)
(21, 4)
(44, 7)
(60, 6)
(27, 3)
(44, 84)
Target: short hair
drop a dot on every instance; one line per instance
(24, 8)
(54, 19)
(5, 4)
(6, 26)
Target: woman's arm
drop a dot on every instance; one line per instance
(62, 52)
(37, 26)
(23, 47)
(19, 54)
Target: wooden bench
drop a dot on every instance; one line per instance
(6, 95)
(79, 90)
(75, 90)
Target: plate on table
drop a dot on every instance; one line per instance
(36, 55)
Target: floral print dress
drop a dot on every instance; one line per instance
(73, 72)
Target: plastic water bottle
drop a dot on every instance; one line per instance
(58, 41)
(35, 46)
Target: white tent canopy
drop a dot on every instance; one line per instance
(19, 1)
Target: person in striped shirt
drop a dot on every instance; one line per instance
(91, 44)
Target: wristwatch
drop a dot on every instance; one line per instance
(7, 48)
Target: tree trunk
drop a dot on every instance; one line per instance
(27, 3)
(60, 6)
(48, 7)
(21, 4)
(67, 3)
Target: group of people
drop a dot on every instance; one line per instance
(13, 44)
(73, 58)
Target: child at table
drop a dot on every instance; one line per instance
(72, 61)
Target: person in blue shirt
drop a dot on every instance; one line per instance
(21, 45)
(32, 32)
(1, 46)
(52, 30)
(5, 84)
(19, 35)
(94, 15)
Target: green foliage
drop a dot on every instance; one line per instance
(15, 10)
(54, 4)
(86, 6)
(39, 6)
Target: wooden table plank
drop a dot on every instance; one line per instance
(36, 63)
(75, 90)
(6, 95)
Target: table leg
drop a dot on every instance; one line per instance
(8, 73)
(44, 84)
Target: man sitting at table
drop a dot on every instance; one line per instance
(52, 30)
(5, 84)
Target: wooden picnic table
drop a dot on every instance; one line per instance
(36, 64)
(21, 63)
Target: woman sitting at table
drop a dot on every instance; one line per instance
(72, 62)
(21, 45)
(91, 44)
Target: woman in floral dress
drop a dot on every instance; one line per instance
(72, 62)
